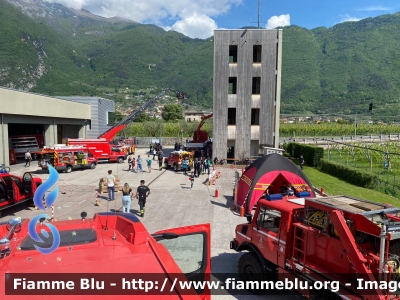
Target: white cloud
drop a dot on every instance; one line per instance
(186, 15)
(348, 18)
(278, 21)
(200, 26)
(375, 8)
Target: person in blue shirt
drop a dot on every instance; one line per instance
(139, 164)
(185, 165)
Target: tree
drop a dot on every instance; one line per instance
(172, 112)
(118, 116)
(154, 128)
(142, 118)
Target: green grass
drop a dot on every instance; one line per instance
(334, 186)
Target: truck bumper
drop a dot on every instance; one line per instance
(233, 245)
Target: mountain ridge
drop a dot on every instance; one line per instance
(337, 70)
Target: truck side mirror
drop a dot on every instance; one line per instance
(249, 218)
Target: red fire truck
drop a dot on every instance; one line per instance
(103, 148)
(110, 248)
(337, 240)
(66, 158)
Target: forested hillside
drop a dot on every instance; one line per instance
(54, 50)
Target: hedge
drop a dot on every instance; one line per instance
(312, 154)
(359, 178)
(349, 174)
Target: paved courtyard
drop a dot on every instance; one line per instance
(171, 204)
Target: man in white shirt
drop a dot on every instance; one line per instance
(110, 185)
(28, 159)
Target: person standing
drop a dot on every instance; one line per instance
(139, 164)
(185, 165)
(142, 193)
(151, 147)
(301, 162)
(130, 156)
(195, 167)
(191, 178)
(28, 159)
(126, 198)
(160, 159)
(208, 165)
(198, 167)
(133, 164)
(154, 153)
(149, 162)
(110, 185)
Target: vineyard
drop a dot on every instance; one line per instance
(185, 129)
(382, 159)
(165, 129)
(335, 129)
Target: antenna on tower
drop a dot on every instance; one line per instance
(259, 14)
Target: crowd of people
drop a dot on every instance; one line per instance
(142, 192)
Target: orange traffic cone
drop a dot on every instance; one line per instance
(242, 211)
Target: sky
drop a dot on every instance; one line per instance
(199, 18)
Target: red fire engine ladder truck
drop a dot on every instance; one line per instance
(112, 132)
(197, 133)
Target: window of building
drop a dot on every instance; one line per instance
(256, 53)
(255, 116)
(256, 85)
(232, 85)
(233, 49)
(188, 119)
(231, 116)
(111, 118)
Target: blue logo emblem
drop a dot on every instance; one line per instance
(50, 199)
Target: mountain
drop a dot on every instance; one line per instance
(51, 49)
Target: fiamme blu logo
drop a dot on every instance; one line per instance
(49, 199)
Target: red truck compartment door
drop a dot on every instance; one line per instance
(28, 183)
(190, 248)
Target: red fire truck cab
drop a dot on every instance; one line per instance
(15, 190)
(337, 239)
(101, 149)
(67, 158)
(109, 247)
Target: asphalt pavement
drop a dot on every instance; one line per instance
(171, 204)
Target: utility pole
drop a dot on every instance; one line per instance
(355, 126)
(259, 14)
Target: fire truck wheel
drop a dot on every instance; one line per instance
(93, 165)
(120, 160)
(250, 269)
(68, 169)
(176, 168)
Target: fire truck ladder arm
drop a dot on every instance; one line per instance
(197, 131)
(112, 132)
(355, 255)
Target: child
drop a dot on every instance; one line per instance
(154, 153)
(149, 162)
(191, 178)
(133, 164)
